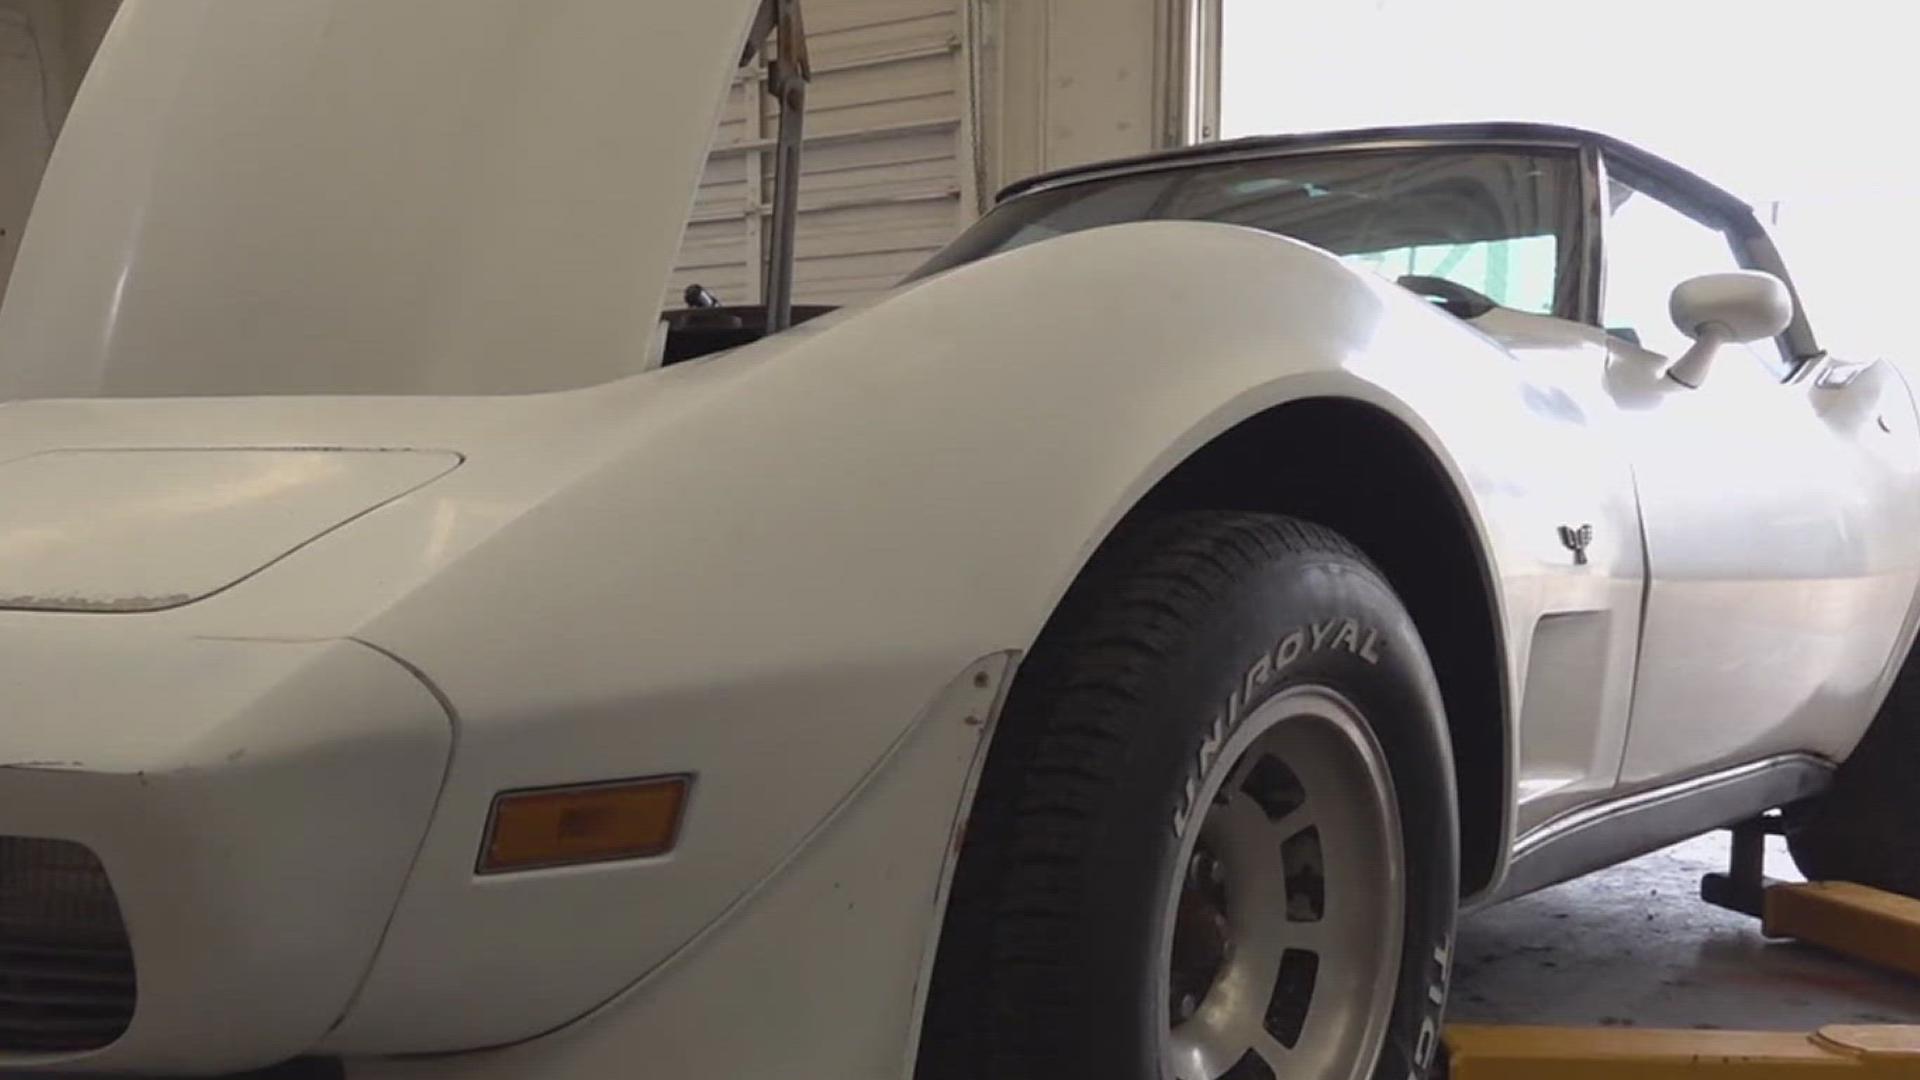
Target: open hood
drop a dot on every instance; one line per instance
(257, 197)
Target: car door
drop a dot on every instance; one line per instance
(1777, 512)
(1579, 645)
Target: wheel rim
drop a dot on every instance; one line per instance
(1281, 959)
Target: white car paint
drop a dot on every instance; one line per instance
(1779, 522)
(1776, 517)
(802, 571)
(257, 803)
(357, 196)
(143, 530)
(1579, 657)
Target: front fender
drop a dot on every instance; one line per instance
(793, 546)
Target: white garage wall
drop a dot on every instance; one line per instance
(887, 177)
(1071, 81)
(921, 109)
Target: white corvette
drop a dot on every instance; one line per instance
(1117, 652)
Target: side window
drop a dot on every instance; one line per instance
(1650, 248)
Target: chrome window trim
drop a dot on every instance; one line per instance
(1261, 153)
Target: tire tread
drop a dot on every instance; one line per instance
(1016, 892)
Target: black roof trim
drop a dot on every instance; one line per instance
(1690, 184)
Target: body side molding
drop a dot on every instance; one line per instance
(1606, 833)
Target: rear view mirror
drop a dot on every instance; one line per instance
(1735, 307)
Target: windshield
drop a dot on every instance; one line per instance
(1503, 223)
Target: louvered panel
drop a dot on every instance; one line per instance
(734, 116)
(724, 187)
(913, 88)
(828, 161)
(907, 231)
(830, 20)
(877, 271)
(710, 239)
(854, 240)
(881, 188)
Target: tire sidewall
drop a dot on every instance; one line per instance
(1319, 620)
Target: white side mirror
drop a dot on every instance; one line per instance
(1719, 309)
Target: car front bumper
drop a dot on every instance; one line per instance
(256, 806)
(263, 810)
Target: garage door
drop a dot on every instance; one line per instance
(885, 181)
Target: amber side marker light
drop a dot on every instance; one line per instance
(583, 823)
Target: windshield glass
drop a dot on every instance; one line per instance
(1500, 222)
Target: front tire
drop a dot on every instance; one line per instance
(1216, 833)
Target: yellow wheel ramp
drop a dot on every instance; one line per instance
(1844, 1052)
(1863, 923)
(1880, 928)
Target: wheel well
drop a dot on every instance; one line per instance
(1354, 468)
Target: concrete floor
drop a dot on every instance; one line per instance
(1635, 946)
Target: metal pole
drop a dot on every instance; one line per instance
(788, 81)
